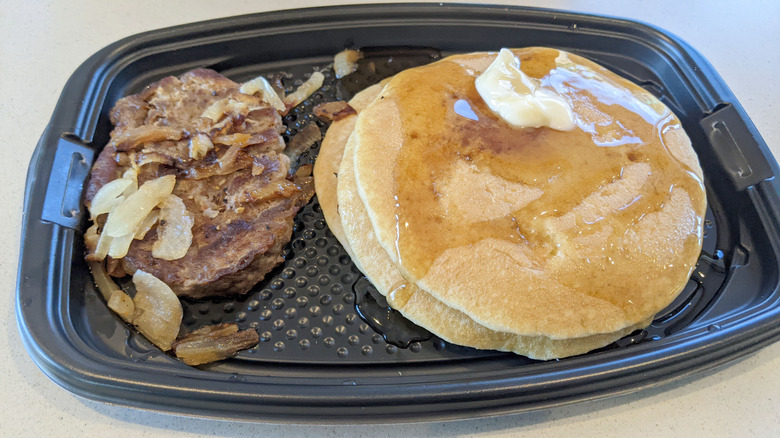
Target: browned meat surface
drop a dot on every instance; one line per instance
(225, 149)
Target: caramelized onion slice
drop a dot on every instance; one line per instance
(120, 245)
(132, 175)
(213, 343)
(147, 224)
(158, 312)
(345, 62)
(230, 161)
(269, 192)
(128, 215)
(200, 145)
(133, 137)
(304, 171)
(174, 234)
(302, 141)
(91, 238)
(108, 197)
(104, 283)
(332, 111)
(102, 247)
(240, 140)
(267, 92)
(305, 90)
(122, 304)
(118, 301)
(227, 106)
(306, 186)
(143, 158)
(216, 110)
(115, 267)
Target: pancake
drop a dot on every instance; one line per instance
(329, 158)
(416, 305)
(530, 232)
(426, 311)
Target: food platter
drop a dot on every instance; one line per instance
(322, 356)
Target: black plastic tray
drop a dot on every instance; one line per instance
(318, 361)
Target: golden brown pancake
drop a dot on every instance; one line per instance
(422, 308)
(532, 231)
(329, 158)
(417, 305)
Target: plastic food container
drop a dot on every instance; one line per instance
(327, 353)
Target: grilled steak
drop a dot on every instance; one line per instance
(225, 149)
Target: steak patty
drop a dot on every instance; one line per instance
(225, 149)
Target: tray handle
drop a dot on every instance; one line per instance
(70, 169)
(736, 147)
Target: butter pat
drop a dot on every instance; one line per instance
(520, 100)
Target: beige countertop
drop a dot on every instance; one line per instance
(42, 43)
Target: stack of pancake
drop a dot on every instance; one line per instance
(541, 242)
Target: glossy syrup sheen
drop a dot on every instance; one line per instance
(444, 121)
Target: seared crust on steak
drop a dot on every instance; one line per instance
(238, 189)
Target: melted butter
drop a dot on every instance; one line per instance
(613, 130)
(519, 99)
